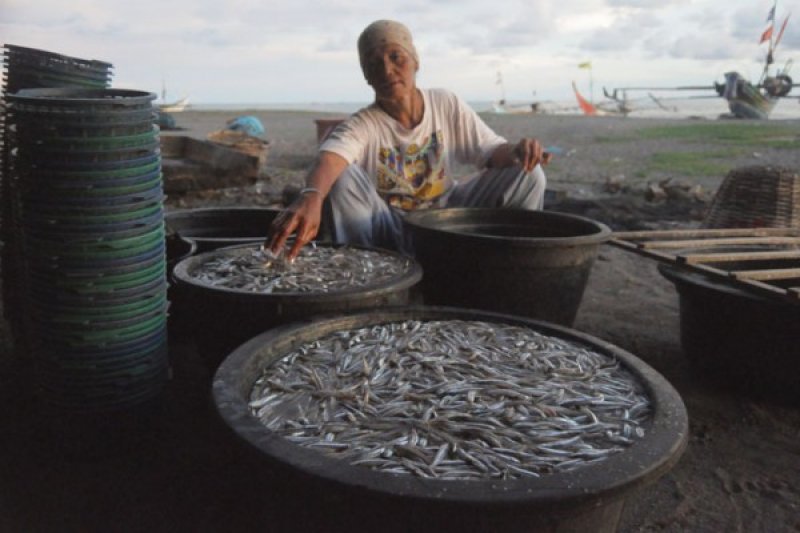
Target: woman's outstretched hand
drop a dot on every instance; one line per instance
(301, 218)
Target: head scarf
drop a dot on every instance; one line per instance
(381, 33)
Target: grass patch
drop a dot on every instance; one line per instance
(727, 132)
(691, 164)
(611, 138)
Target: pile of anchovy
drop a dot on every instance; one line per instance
(315, 269)
(453, 399)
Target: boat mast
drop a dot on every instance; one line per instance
(769, 59)
(502, 87)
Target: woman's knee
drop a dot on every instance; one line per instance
(353, 187)
(538, 176)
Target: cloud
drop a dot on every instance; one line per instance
(623, 34)
(279, 50)
(644, 4)
(791, 37)
(702, 32)
(702, 47)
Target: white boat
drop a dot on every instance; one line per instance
(504, 108)
(176, 106)
(171, 107)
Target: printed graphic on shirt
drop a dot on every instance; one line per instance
(414, 176)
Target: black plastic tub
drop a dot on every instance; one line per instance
(310, 491)
(530, 263)
(223, 318)
(211, 227)
(179, 317)
(178, 249)
(736, 339)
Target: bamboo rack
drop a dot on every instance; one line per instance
(760, 260)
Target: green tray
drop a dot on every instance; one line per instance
(103, 284)
(45, 292)
(96, 209)
(108, 337)
(80, 377)
(50, 157)
(88, 219)
(90, 144)
(59, 129)
(43, 319)
(125, 247)
(102, 174)
(89, 402)
(57, 312)
(31, 192)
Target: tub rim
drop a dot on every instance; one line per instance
(406, 280)
(642, 463)
(440, 222)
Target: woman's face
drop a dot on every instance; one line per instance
(391, 72)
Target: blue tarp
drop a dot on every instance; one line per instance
(247, 124)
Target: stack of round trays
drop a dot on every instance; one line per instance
(90, 199)
(32, 68)
(26, 68)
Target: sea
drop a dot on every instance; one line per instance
(677, 108)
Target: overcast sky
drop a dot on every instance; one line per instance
(266, 51)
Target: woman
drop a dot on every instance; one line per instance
(399, 154)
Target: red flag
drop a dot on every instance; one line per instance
(766, 35)
(586, 107)
(780, 33)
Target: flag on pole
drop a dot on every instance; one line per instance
(587, 107)
(585, 64)
(783, 27)
(766, 35)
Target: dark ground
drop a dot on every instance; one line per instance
(173, 467)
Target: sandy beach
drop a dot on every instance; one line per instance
(593, 156)
(741, 469)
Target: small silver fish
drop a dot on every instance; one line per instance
(453, 399)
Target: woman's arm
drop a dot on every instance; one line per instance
(303, 216)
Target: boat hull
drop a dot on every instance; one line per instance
(748, 109)
(745, 100)
(175, 107)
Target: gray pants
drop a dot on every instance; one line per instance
(358, 214)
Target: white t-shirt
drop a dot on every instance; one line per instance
(413, 167)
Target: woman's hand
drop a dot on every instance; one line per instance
(302, 217)
(529, 152)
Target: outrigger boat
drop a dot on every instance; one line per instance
(618, 105)
(745, 99)
(502, 106)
